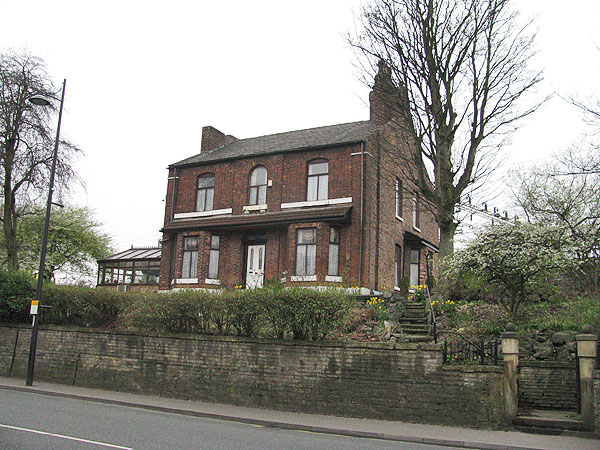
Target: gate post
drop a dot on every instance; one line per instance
(510, 353)
(586, 354)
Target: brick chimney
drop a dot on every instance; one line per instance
(386, 100)
(213, 138)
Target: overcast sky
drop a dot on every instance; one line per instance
(143, 77)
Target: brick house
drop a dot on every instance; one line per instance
(324, 206)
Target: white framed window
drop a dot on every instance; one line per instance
(190, 257)
(306, 252)
(415, 256)
(318, 180)
(398, 188)
(258, 186)
(206, 192)
(334, 252)
(213, 259)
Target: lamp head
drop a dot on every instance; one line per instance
(39, 100)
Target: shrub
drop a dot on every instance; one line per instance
(305, 313)
(245, 310)
(271, 312)
(81, 306)
(17, 289)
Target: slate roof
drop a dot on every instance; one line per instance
(344, 133)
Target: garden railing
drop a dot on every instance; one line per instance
(466, 351)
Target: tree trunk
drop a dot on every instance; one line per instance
(447, 231)
(9, 223)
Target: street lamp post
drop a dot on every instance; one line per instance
(38, 100)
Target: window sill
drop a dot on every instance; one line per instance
(248, 208)
(399, 218)
(303, 278)
(417, 229)
(192, 215)
(326, 202)
(214, 281)
(333, 279)
(186, 280)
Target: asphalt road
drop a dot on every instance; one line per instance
(34, 421)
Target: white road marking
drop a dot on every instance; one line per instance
(66, 437)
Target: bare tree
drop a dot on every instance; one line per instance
(459, 68)
(26, 142)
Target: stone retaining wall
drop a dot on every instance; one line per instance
(386, 381)
(548, 385)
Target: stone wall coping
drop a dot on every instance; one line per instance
(586, 337)
(548, 364)
(241, 339)
(472, 369)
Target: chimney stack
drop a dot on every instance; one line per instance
(213, 138)
(385, 98)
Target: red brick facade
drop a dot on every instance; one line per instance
(362, 175)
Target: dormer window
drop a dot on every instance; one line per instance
(206, 192)
(258, 186)
(318, 180)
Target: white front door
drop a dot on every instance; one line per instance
(255, 266)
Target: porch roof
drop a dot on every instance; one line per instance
(339, 214)
(414, 238)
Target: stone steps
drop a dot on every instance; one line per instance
(414, 322)
(546, 425)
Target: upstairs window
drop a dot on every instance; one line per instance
(258, 186)
(318, 180)
(206, 192)
(306, 252)
(398, 197)
(416, 202)
(190, 257)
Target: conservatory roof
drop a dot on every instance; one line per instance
(135, 254)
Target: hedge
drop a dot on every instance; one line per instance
(272, 311)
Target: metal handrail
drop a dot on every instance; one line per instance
(432, 319)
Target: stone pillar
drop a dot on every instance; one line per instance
(510, 352)
(586, 354)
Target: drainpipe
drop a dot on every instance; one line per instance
(377, 214)
(172, 215)
(173, 191)
(362, 206)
